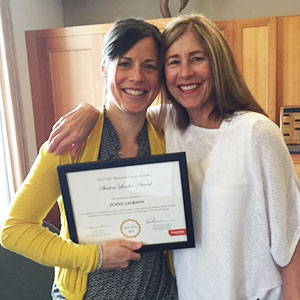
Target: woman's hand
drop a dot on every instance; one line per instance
(117, 254)
(72, 129)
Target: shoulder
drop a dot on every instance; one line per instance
(94, 139)
(248, 117)
(255, 129)
(154, 112)
(263, 127)
(47, 158)
(257, 123)
(266, 138)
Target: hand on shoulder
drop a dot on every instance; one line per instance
(72, 129)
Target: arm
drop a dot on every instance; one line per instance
(282, 192)
(291, 277)
(24, 234)
(72, 129)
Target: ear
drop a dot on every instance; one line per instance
(103, 72)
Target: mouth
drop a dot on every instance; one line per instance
(188, 87)
(133, 92)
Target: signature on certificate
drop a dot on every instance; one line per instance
(152, 220)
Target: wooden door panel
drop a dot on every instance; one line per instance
(73, 65)
(73, 79)
(255, 52)
(254, 62)
(65, 72)
(288, 61)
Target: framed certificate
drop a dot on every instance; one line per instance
(143, 199)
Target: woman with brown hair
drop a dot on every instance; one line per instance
(113, 269)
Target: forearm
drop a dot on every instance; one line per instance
(39, 244)
(291, 277)
(23, 232)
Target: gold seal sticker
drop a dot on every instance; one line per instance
(130, 228)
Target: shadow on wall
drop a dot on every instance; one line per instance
(23, 279)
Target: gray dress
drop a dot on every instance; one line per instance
(146, 279)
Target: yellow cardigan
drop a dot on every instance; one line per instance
(23, 232)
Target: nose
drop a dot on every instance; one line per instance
(186, 70)
(136, 74)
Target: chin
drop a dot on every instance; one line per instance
(135, 111)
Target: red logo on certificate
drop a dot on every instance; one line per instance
(174, 232)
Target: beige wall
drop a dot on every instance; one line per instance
(31, 15)
(79, 12)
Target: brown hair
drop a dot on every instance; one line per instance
(126, 33)
(229, 91)
(123, 36)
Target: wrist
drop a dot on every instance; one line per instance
(100, 257)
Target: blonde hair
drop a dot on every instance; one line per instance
(229, 91)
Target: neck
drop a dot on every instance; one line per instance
(128, 126)
(200, 117)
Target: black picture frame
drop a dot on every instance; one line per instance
(180, 157)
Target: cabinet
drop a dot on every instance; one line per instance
(288, 62)
(267, 52)
(64, 67)
(253, 42)
(288, 68)
(255, 53)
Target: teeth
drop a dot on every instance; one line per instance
(188, 87)
(134, 92)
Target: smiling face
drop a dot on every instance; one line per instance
(188, 75)
(133, 80)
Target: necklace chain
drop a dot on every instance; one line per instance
(123, 154)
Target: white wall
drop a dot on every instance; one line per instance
(31, 15)
(80, 12)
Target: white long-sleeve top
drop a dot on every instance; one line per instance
(246, 209)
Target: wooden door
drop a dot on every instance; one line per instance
(255, 53)
(64, 67)
(288, 62)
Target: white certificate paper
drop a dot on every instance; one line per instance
(129, 199)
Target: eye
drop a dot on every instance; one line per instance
(173, 62)
(198, 58)
(123, 64)
(150, 67)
